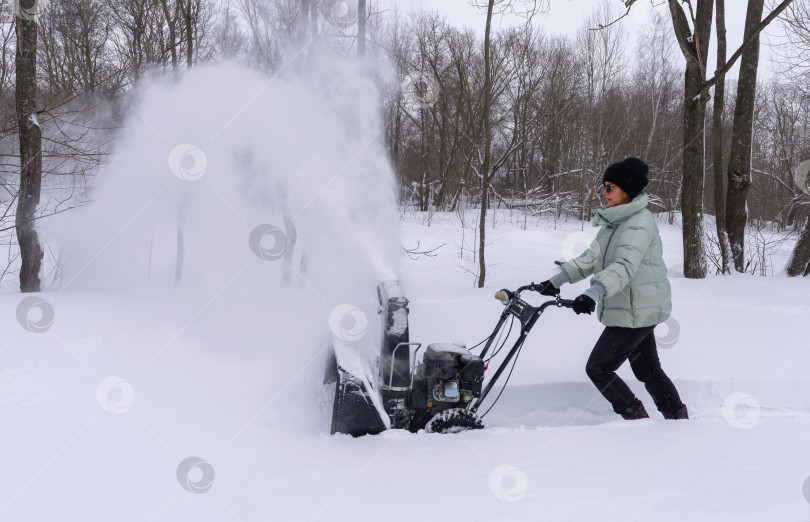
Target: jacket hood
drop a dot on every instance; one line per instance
(617, 214)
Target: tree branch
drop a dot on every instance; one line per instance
(684, 34)
(720, 73)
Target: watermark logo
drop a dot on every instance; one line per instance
(35, 314)
(195, 475)
(576, 243)
(420, 90)
(802, 176)
(188, 162)
(348, 322)
(115, 395)
(268, 242)
(508, 483)
(340, 13)
(670, 337)
(26, 9)
(741, 410)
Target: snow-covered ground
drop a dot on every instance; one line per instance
(125, 396)
(101, 412)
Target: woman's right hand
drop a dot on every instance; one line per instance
(584, 305)
(547, 288)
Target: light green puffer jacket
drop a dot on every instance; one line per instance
(626, 258)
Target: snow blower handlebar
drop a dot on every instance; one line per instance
(505, 296)
(527, 315)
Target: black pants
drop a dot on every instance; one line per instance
(617, 345)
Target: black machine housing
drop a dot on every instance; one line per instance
(449, 375)
(440, 393)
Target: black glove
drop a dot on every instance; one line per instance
(546, 288)
(584, 305)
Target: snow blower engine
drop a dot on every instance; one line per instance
(441, 393)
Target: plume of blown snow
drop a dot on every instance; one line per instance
(282, 193)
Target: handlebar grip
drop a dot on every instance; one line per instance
(567, 303)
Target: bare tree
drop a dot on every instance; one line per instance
(7, 38)
(602, 56)
(171, 15)
(189, 9)
(726, 260)
(796, 27)
(229, 40)
(272, 25)
(694, 44)
(30, 147)
(137, 36)
(485, 168)
(655, 98)
(74, 39)
(739, 167)
(799, 262)
(362, 15)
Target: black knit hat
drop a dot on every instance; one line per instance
(629, 174)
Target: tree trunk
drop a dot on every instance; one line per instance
(304, 21)
(693, 171)
(482, 225)
(186, 10)
(361, 28)
(30, 148)
(171, 22)
(717, 146)
(739, 165)
(397, 143)
(424, 164)
(799, 263)
(694, 47)
(189, 19)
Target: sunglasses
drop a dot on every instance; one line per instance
(607, 187)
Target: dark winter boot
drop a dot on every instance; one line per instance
(680, 414)
(635, 411)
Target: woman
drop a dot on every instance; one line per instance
(630, 284)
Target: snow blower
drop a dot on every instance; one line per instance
(441, 393)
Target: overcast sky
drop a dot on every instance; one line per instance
(566, 16)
